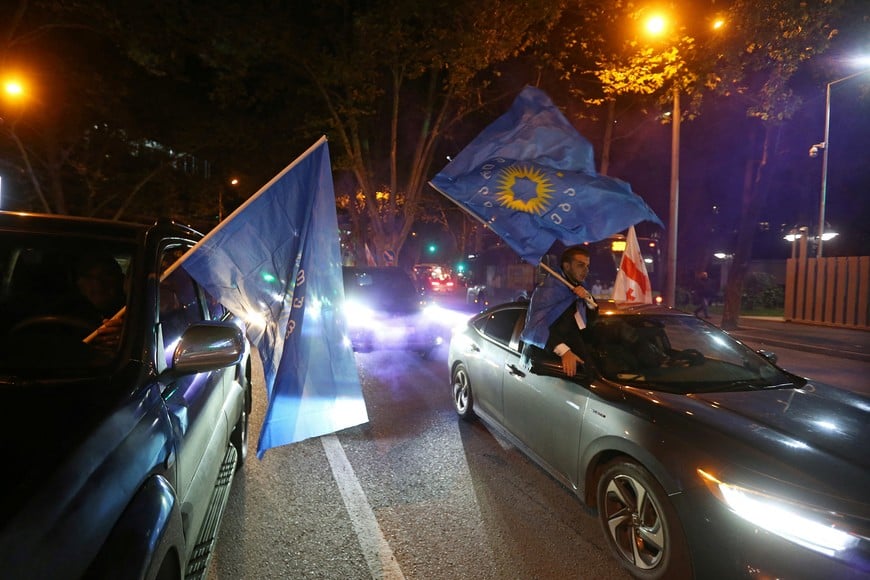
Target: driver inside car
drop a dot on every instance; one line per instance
(100, 284)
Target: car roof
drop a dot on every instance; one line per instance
(608, 307)
(87, 226)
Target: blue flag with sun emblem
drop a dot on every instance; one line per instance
(530, 177)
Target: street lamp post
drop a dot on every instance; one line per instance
(657, 25)
(671, 279)
(825, 146)
(12, 89)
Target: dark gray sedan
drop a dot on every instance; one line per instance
(701, 457)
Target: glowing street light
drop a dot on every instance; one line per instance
(655, 25)
(13, 88)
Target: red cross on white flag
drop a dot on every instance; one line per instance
(632, 281)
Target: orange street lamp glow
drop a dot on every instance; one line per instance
(13, 88)
(718, 23)
(655, 25)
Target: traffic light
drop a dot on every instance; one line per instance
(432, 247)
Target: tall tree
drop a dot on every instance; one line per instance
(769, 45)
(385, 79)
(406, 73)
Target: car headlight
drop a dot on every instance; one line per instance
(433, 311)
(821, 531)
(358, 314)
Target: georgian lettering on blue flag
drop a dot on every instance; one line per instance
(530, 177)
(275, 263)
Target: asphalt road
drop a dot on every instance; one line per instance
(415, 493)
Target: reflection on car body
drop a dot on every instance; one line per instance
(123, 451)
(702, 458)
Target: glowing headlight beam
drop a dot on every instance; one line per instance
(781, 518)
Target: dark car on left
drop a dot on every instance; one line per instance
(127, 394)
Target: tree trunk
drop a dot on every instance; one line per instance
(755, 187)
(608, 136)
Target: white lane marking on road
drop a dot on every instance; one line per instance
(382, 563)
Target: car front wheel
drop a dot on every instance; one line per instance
(239, 436)
(641, 526)
(463, 401)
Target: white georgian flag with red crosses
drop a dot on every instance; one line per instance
(632, 284)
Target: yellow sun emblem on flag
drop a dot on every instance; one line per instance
(524, 188)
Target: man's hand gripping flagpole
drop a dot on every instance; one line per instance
(582, 293)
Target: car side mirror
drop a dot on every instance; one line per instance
(769, 355)
(206, 347)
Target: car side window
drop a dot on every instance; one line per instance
(179, 304)
(216, 310)
(500, 325)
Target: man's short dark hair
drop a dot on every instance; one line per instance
(104, 261)
(571, 252)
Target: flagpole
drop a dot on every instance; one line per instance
(175, 265)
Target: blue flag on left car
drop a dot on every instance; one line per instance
(276, 264)
(530, 177)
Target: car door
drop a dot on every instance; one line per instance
(195, 402)
(487, 368)
(544, 412)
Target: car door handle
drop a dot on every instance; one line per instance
(473, 348)
(512, 369)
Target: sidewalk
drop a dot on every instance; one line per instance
(767, 331)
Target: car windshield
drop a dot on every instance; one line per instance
(55, 292)
(680, 354)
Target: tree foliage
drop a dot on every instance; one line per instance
(767, 48)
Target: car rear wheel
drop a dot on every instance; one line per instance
(463, 400)
(641, 526)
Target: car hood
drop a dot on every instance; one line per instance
(814, 437)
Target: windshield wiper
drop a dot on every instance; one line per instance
(746, 384)
(758, 384)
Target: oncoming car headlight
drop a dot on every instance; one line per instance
(358, 314)
(814, 529)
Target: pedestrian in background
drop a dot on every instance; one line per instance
(703, 293)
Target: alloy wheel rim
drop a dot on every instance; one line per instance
(460, 392)
(634, 522)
